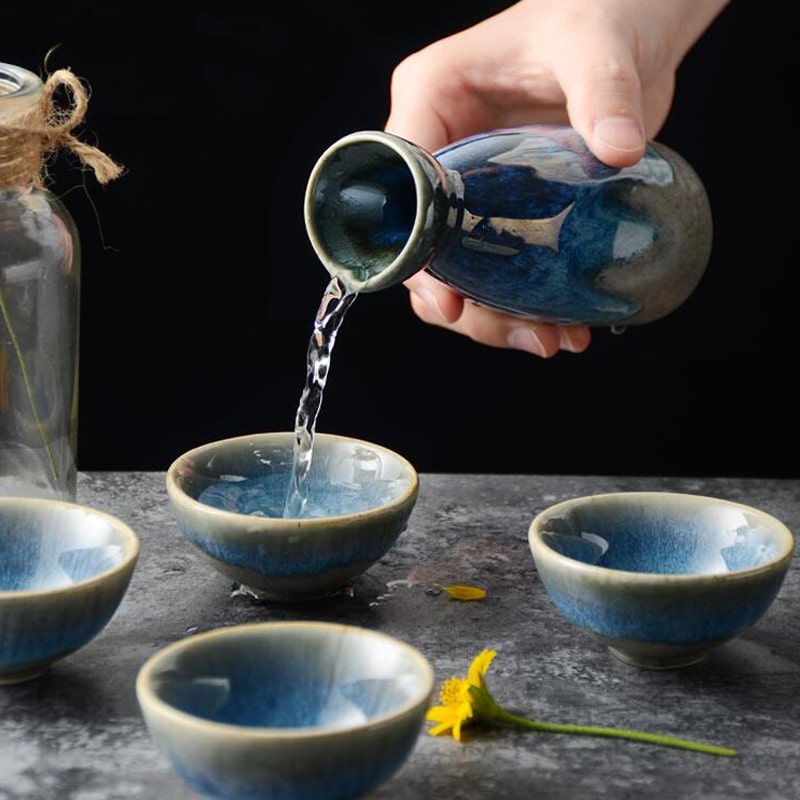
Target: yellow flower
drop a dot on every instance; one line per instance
(461, 592)
(468, 700)
(461, 697)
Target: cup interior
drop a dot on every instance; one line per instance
(665, 534)
(48, 544)
(251, 475)
(290, 676)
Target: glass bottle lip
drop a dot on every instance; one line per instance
(19, 88)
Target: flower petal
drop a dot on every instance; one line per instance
(441, 728)
(462, 592)
(441, 714)
(480, 664)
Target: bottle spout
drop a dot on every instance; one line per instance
(374, 207)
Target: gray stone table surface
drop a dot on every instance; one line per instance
(76, 733)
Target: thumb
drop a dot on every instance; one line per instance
(604, 103)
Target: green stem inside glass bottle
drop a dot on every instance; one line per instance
(26, 378)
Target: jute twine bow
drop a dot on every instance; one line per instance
(28, 140)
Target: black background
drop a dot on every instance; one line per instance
(200, 286)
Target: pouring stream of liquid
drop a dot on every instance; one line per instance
(332, 309)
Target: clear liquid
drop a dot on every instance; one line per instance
(336, 300)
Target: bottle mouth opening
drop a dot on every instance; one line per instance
(9, 83)
(17, 81)
(363, 211)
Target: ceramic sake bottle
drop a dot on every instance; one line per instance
(524, 220)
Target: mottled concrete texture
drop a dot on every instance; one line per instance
(77, 734)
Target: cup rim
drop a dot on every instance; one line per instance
(150, 701)
(131, 544)
(177, 493)
(540, 549)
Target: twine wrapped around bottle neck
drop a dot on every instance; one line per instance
(28, 139)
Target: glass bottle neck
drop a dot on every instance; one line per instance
(20, 117)
(20, 92)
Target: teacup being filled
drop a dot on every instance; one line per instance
(229, 498)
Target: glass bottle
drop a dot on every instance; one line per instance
(525, 220)
(39, 307)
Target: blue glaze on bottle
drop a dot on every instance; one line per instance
(524, 220)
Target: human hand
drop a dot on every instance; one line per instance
(606, 67)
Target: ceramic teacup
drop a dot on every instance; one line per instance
(286, 710)
(662, 578)
(64, 569)
(229, 498)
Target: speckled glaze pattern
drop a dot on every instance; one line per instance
(77, 733)
(64, 569)
(525, 220)
(286, 710)
(291, 559)
(661, 578)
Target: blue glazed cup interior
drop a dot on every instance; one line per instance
(284, 677)
(251, 474)
(665, 533)
(49, 544)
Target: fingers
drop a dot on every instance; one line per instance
(605, 108)
(604, 96)
(617, 140)
(484, 77)
(575, 61)
(413, 114)
(433, 301)
(435, 304)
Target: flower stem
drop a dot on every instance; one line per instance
(28, 384)
(618, 733)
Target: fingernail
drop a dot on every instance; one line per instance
(619, 133)
(565, 340)
(430, 300)
(571, 341)
(525, 339)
